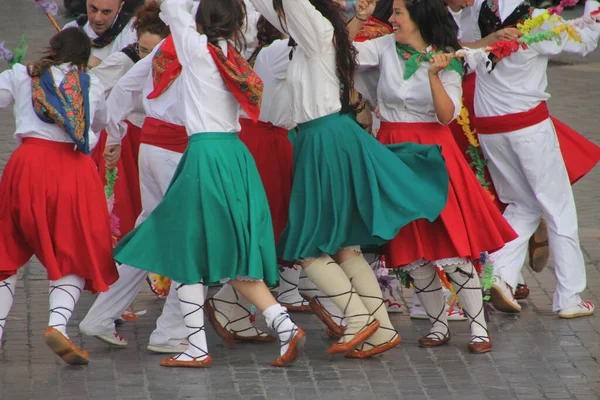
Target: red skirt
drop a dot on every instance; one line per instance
(580, 154)
(274, 157)
(128, 200)
(469, 224)
(53, 207)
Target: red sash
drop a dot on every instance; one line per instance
(372, 29)
(165, 67)
(245, 85)
(261, 127)
(164, 135)
(511, 122)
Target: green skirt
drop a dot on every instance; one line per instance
(213, 223)
(349, 189)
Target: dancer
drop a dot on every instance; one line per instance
(213, 224)
(530, 175)
(150, 31)
(418, 94)
(58, 107)
(348, 190)
(109, 27)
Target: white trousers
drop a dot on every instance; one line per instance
(530, 176)
(157, 167)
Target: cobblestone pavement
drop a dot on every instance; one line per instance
(536, 355)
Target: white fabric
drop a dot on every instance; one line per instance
(529, 175)
(250, 30)
(401, 100)
(233, 311)
(518, 82)
(467, 33)
(314, 85)
(127, 36)
(191, 302)
(135, 84)
(15, 86)
(156, 166)
(428, 289)
(64, 295)
(8, 288)
(271, 66)
(109, 72)
(279, 320)
(288, 287)
(207, 103)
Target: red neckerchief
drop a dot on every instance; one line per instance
(165, 67)
(372, 29)
(240, 79)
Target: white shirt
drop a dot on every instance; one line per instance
(402, 100)
(518, 82)
(271, 66)
(15, 85)
(127, 36)
(207, 103)
(314, 85)
(113, 68)
(135, 86)
(466, 31)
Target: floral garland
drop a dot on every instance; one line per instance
(17, 56)
(109, 192)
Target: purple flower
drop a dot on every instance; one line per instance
(5, 54)
(48, 7)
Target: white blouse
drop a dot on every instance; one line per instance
(15, 86)
(113, 68)
(127, 36)
(401, 100)
(314, 85)
(135, 86)
(271, 66)
(518, 82)
(207, 103)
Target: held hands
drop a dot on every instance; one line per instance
(509, 33)
(111, 155)
(439, 62)
(364, 9)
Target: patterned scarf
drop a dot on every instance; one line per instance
(110, 35)
(165, 67)
(414, 58)
(240, 79)
(67, 106)
(372, 29)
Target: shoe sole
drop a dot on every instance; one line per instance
(571, 316)
(422, 317)
(501, 303)
(110, 342)
(60, 345)
(167, 350)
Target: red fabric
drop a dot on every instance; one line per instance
(511, 122)
(53, 207)
(372, 29)
(164, 135)
(239, 77)
(128, 200)
(165, 67)
(469, 224)
(274, 156)
(580, 154)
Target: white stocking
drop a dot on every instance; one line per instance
(428, 288)
(64, 295)
(7, 295)
(191, 300)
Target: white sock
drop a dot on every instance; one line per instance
(64, 295)
(279, 320)
(233, 312)
(365, 282)
(288, 287)
(7, 295)
(191, 300)
(428, 288)
(466, 283)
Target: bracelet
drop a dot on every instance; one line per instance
(360, 19)
(358, 108)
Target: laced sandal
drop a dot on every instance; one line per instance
(480, 344)
(539, 251)
(366, 332)
(295, 342)
(209, 311)
(522, 292)
(64, 348)
(296, 306)
(375, 349)
(336, 330)
(434, 339)
(193, 363)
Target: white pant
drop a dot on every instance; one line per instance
(157, 167)
(530, 176)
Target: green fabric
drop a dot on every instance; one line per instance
(349, 189)
(214, 221)
(292, 134)
(415, 58)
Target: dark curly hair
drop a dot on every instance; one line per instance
(222, 19)
(148, 21)
(345, 52)
(435, 23)
(71, 45)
